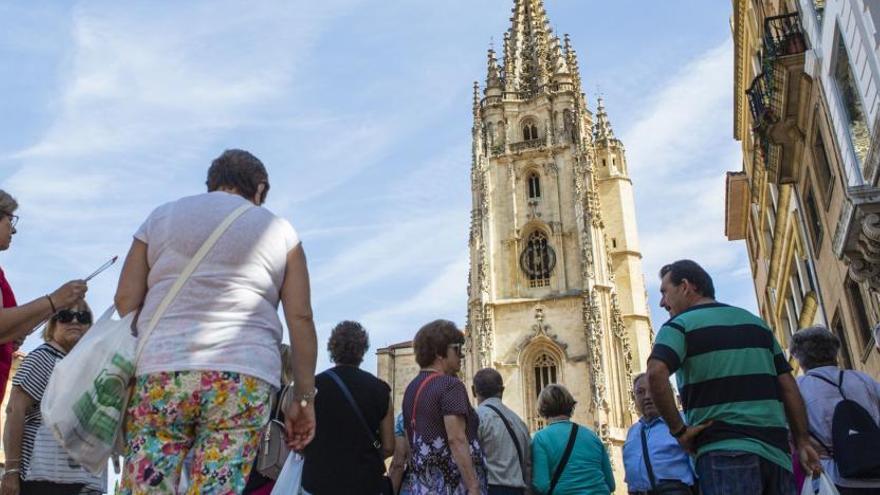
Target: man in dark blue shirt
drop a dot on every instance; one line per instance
(654, 462)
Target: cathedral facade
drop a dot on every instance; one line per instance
(556, 292)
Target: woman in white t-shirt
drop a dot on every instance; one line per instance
(210, 365)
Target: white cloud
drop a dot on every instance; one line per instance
(678, 152)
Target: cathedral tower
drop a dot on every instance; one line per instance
(556, 290)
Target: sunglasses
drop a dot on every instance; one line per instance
(457, 348)
(67, 316)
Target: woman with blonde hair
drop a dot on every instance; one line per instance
(35, 462)
(567, 458)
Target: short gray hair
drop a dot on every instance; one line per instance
(815, 346)
(555, 400)
(8, 204)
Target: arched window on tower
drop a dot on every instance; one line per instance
(534, 182)
(530, 130)
(538, 259)
(539, 372)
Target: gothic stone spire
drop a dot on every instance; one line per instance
(602, 131)
(527, 48)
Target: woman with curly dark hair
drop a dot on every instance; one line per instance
(355, 418)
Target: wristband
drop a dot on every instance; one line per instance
(681, 431)
(11, 471)
(51, 304)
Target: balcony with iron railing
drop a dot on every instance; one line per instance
(774, 94)
(783, 36)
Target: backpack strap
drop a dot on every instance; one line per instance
(838, 386)
(515, 440)
(416, 398)
(565, 455)
(374, 442)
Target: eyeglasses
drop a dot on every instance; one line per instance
(13, 219)
(67, 316)
(457, 348)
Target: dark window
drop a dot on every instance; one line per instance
(538, 260)
(534, 186)
(545, 372)
(530, 131)
(837, 329)
(860, 316)
(824, 177)
(814, 224)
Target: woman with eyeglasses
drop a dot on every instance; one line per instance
(35, 462)
(441, 426)
(16, 322)
(211, 364)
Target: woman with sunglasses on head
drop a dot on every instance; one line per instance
(440, 423)
(16, 322)
(35, 463)
(211, 363)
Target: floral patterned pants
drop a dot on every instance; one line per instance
(211, 418)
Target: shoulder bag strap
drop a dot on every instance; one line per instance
(186, 273)
(647, 457)
(512, 436)
(565, 455)
(357, 410)
(416, 398)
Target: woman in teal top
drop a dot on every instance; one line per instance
(588, 470)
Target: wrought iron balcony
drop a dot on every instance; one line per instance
(530, 144)
(760, 95)
(783, 36)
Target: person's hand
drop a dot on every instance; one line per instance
(11, 484)
(474, 491)
(69, 294)
(688, 439)
(809, 459)
(300, 424)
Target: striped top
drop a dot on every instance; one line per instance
(33, 377)
(726, 363)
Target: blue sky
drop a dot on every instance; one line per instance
(361, 110)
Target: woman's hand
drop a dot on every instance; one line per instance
(300, 424)
(69, 294)
(11, 484)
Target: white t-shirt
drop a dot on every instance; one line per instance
(225, 318)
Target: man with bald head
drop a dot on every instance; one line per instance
(504, 437)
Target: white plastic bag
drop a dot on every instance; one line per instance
(819, 486)
(85, 400)
(290, 478)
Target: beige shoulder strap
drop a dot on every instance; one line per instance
(186, 273)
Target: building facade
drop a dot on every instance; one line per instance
(806, 202)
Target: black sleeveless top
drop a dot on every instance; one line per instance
(341, 459)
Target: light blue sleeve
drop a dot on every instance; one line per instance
(540, 465)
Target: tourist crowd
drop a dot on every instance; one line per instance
(218, 398)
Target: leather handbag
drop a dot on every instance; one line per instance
(273, 441)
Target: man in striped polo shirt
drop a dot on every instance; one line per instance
(736, 388)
